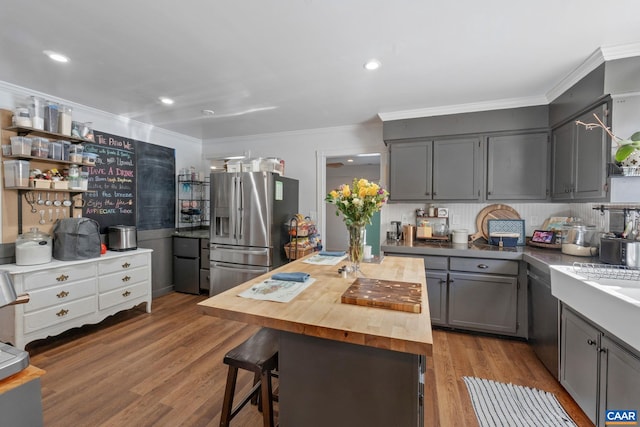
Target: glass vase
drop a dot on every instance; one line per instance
(356, 246)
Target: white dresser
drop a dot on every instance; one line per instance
(68, 294)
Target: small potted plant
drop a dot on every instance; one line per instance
(628, 150)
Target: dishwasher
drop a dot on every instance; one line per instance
(186, 265)
(543, 319)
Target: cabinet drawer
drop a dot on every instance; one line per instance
(122, 264)
(61, 313)
(186, 247)
(204, 243)
(60, 294)
(55, 276)
(436, 262)
(482, 265)
(121, 279)
(122, 295)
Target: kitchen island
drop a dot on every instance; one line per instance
(342, 364)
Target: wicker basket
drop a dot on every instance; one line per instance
(294, 252)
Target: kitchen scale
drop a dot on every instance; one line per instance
(12, 360)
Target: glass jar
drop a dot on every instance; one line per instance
(33, 247)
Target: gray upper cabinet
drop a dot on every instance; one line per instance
(448, 169)
(410, 171)
(517, 167)
(579, 159)
(457, 169)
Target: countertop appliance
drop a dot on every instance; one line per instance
(249, 211)
(543, 319)
(122, 238)
(617, 251)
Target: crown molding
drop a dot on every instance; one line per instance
(500, 104)
(620, 51)
(588, 65)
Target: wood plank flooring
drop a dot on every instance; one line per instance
(165, 369)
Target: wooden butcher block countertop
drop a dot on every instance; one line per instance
(319, 312)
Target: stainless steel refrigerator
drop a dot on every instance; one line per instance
(249, 211)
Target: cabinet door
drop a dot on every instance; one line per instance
(457, 169)
(410, 171)
(562, 161)
(619, 379)
(437, 291)
(483, 302)
(579, 341)
(591, 157)
(517, 167)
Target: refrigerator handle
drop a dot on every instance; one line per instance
(241, 209)
(260, 251)
(244, 270)
(234, 208)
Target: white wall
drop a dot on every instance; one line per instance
(304, 153)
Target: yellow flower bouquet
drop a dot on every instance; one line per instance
(357, 203)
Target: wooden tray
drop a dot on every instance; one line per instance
(496, 211)
(392, 295)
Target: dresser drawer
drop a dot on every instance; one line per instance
(118, 280)
(56, 276)
(483, 265)
(122, 295)
(56, 295)
(436, 262)
(61, 313)
(122, 264)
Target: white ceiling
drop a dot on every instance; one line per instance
(280, 65)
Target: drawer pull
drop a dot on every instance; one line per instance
(62, 278)
(126, 293)
(62, 294)
(591, 342)
(126, 278)
(62, 313)
(126, 265)
(483, 266)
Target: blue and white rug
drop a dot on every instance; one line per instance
(498, 404)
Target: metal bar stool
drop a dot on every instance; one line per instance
(258, 354)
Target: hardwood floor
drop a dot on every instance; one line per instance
(165, 369)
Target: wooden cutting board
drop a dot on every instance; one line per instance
(496, 211)
(392, 295)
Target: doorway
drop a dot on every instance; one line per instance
(342, 170)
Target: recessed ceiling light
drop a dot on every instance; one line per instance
(166, 101)
(208, 112)
(369, 155)
(372, 64)
(58, 57)
(350, 160)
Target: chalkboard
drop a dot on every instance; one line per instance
(111, 199)
(155, 174)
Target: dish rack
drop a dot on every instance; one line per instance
(605, 271)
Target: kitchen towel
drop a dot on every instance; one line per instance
(291, 277)
(332, 253)
(499, 404)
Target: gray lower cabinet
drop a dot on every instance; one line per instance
(473, 294)
(517, 167)
(204, 266)
(597, 370)
(483, 302)
(579, 158)
(186, 264)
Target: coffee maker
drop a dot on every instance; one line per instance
(396, 231)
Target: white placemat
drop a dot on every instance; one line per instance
(324, 259)
(276, 290)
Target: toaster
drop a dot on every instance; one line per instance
(122, 238)
(619, 251)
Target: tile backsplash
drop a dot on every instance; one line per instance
(463, 215)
